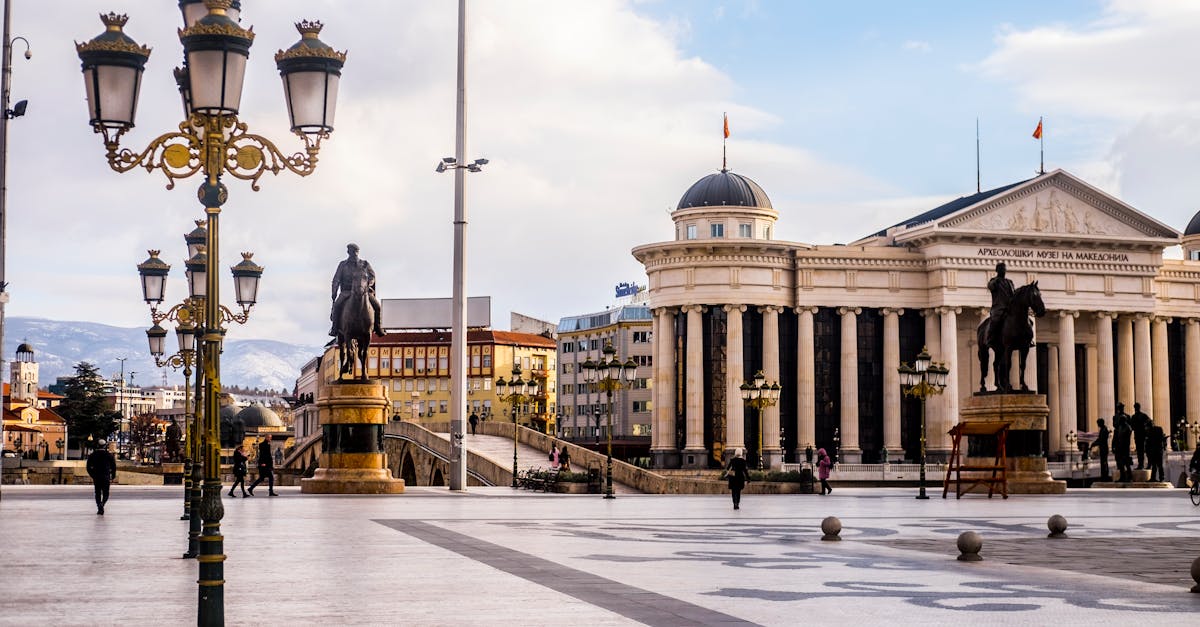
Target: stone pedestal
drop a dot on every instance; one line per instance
(1026, 461)
(352, 417)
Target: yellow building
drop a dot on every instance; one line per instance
(415, 366)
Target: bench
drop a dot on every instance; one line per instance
(537, 479)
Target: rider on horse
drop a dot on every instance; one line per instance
(350, 271)
(1002, 293)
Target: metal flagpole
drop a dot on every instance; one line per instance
(978, 187)
(1041, 147)
(458, 337)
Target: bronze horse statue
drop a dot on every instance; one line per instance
(354, 331)
(1016, 335)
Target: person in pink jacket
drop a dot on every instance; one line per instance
(823, 464)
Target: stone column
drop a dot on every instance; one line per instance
(933, 408)
(1125, 362)
(1161, 375)
(1054, 400)
(1031, 362)
(949, 356)
(1192, 359)
(735, 410)
(1067, 406)
(662, 448)
(1143, 368)
(772, 452)
(806, 403)
(891, 382)
(694, 455)
(850, 451)
(1106, 403)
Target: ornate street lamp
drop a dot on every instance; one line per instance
(760, 395)
(922, 380)
(610, 374)
(516, 391)
(211, 141)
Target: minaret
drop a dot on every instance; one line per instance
(23, 376)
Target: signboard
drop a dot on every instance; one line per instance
(627, 289)
(433, 313)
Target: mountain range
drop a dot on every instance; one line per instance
(59, 345)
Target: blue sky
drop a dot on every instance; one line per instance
(596, 116)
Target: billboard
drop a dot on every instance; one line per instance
(433, 313)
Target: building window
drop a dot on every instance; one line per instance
(766, 232)
(444, 363)
(641, 407)
(641, 383)
(716, 230)
(443, 406)
(691, 231)
(408, 363)
(641, 337)
(487, 361)
(1194, 255)
(475, 360)
(644, 360)
(746, 230)
(641, 429)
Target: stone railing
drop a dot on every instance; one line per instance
(425, 436)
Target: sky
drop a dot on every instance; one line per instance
(596, 116)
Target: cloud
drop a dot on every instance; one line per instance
(917, 46)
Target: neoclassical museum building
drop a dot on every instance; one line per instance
(831, 323)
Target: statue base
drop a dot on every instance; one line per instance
(352, 417)
(1025, 461)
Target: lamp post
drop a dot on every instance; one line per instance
(922, 380)
(1071, 438)
(211, 141)
(1194, 427)
(611, 375)
(760, 395)
(62, 452)
(516, 391)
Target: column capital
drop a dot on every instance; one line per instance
(1110, 315)
(848, 310)
(776, 309)
(1190, 321)
(887, 311)
(1162, 319)
(806, 308)
(693, 308)
(1065, 313)
(730, 308)
(663, 311)
(947, 309)
(1143, 315)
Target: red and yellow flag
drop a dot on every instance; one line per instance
(1037, 132)
(726, 126)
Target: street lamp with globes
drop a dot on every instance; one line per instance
(610, 374)
(922, 380)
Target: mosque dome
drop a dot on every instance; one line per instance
(1193, 227)
(727, 189)
(26, 348)
(229, 411)
(259, 416)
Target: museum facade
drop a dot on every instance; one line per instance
(831, 323)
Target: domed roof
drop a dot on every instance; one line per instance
(26, 348)
(724, 188)
(259, 416)
(229, 411)
(1193, 227)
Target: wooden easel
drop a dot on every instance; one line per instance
(998, 469)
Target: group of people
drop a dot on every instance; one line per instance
(266, 469)
(1127, 432)
(560, 458)
(737, 475)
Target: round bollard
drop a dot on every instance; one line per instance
(1057, 526)
(831, 527)
(969, 544)
(1196, 574)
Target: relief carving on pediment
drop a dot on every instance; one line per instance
(1050, 211)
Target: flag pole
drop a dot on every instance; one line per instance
(977, 177)
(724, 140)
(1041, 147)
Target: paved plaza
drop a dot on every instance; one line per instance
(494, 556)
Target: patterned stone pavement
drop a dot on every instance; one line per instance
(494, 556)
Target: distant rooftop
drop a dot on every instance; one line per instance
(954, 205)
(604, 318)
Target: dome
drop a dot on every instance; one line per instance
(724, 189)
(24, 348)
(228, 412)
(1193, 227)
(259, 416)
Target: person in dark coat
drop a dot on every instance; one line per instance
(1122, 437)
(102, 468)
(474, 420)
(737, 476)
(564, 459)
(1156, 444)
(266, 468)
(1140, 423)
(1101, 446)
(823, 465)
(239, 469)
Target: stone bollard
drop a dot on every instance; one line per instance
(1057, 526)
(969, 544)
(831, 527)
(1196, 574)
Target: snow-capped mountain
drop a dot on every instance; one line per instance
(58, 346)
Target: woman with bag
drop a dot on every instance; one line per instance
(823, 465)
(239, 470)
(737, 476)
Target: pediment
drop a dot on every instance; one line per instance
(1057, 205)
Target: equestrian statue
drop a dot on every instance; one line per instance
(356, 312)
(1007, 329)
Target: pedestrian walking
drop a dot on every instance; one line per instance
(266, 468)
(554, 455)
(1140, 423)
(102, 468)
(823, 464)
(1122, 437)
(564, 459)
(1101, 446)
(737, 476)
(474, 420)
(240, 461)
(1156, 444)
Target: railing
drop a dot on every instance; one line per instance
(934, 472)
